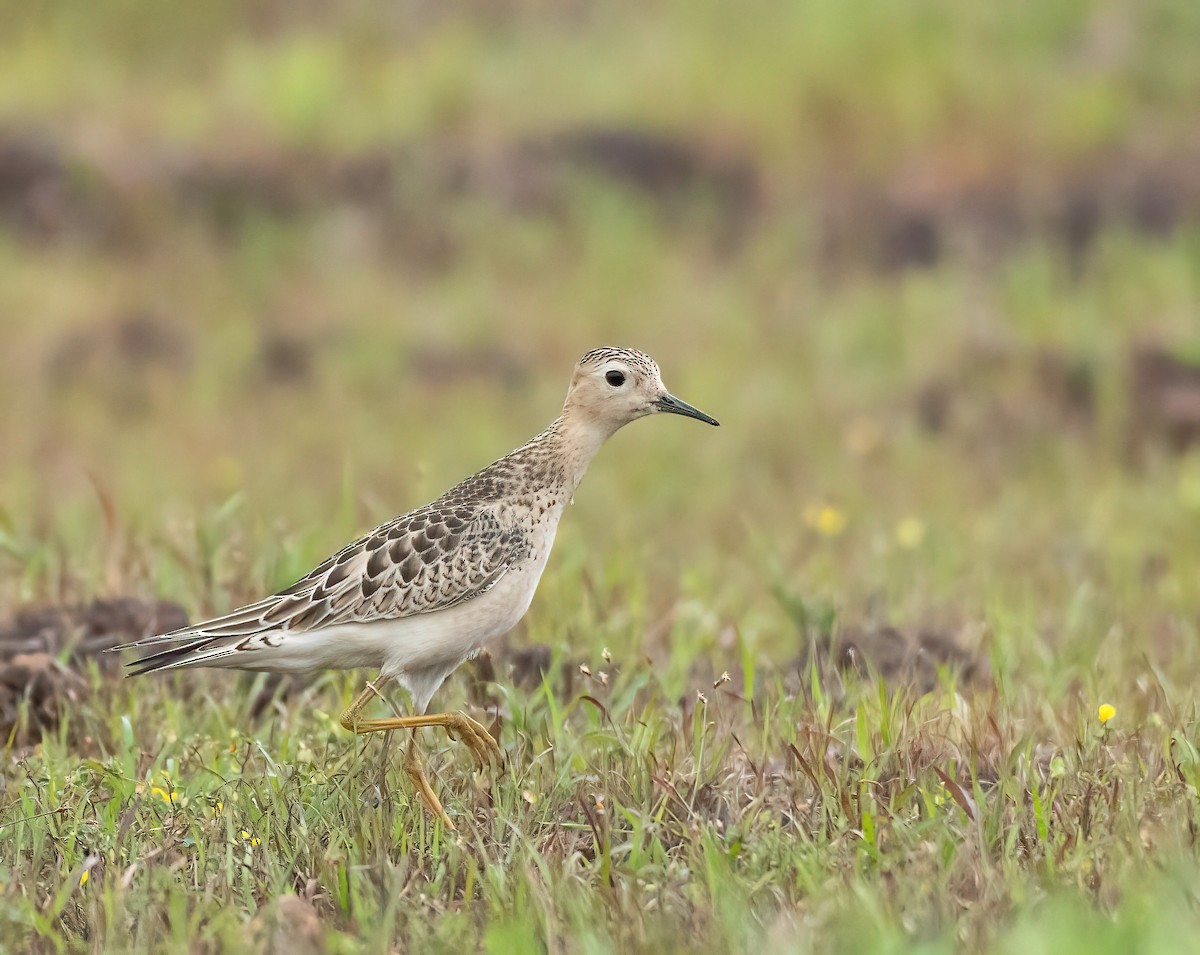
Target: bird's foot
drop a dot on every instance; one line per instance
(479, 741)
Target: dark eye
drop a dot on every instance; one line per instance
(615, 378)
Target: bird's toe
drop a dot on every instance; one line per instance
(483, 747)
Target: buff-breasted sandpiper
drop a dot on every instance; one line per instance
(419, 595)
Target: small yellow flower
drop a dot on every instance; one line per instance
(1106, 712)
(910, 533)
(825, 519)
(84, 876)
(166, 792)
(253, 840)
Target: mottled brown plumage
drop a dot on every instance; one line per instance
(421, 593)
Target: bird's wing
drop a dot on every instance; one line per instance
(431, 559)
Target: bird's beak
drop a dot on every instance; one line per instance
(672, 405)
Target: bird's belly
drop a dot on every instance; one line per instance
(454, 634)
(445, 638)
(441, 639)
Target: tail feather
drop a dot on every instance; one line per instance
(199, 644)
(195, 654)
(241, 622)
(162, 659)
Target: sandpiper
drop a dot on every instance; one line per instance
(419, 595)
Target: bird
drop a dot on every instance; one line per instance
(417, 596)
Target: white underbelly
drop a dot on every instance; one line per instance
(447, 637)
(440, 639)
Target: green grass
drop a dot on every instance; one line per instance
(792, 808)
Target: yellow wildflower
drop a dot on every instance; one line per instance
(825, 519)
(1106, 712)
(910, 532)
(166, 792)
(253, 840)
(84, 876)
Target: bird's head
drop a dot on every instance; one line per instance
(613, 386)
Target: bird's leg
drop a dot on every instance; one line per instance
(475, 735)
(416, 772)
(349, 718)
(457, 725)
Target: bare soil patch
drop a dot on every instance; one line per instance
(914, 217)
(1164, 399)
(900, 658)
(42, 650)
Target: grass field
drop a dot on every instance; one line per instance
(828, 678)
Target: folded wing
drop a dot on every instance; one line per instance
(433, 558)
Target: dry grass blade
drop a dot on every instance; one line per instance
(958, 794)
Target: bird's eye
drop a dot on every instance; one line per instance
(615, 378)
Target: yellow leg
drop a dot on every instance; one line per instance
(416, 772)
(351, 715)
(477, 738)
(458, 725)
(349, 718)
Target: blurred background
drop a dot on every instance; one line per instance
(273, 272)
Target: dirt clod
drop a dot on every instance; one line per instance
(1164, 398)
(913, 659)
(289, 926)
(42, 650)
(87, 629)
(989, 393)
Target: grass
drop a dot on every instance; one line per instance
(647, 804)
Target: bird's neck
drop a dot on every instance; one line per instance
(570, 443)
